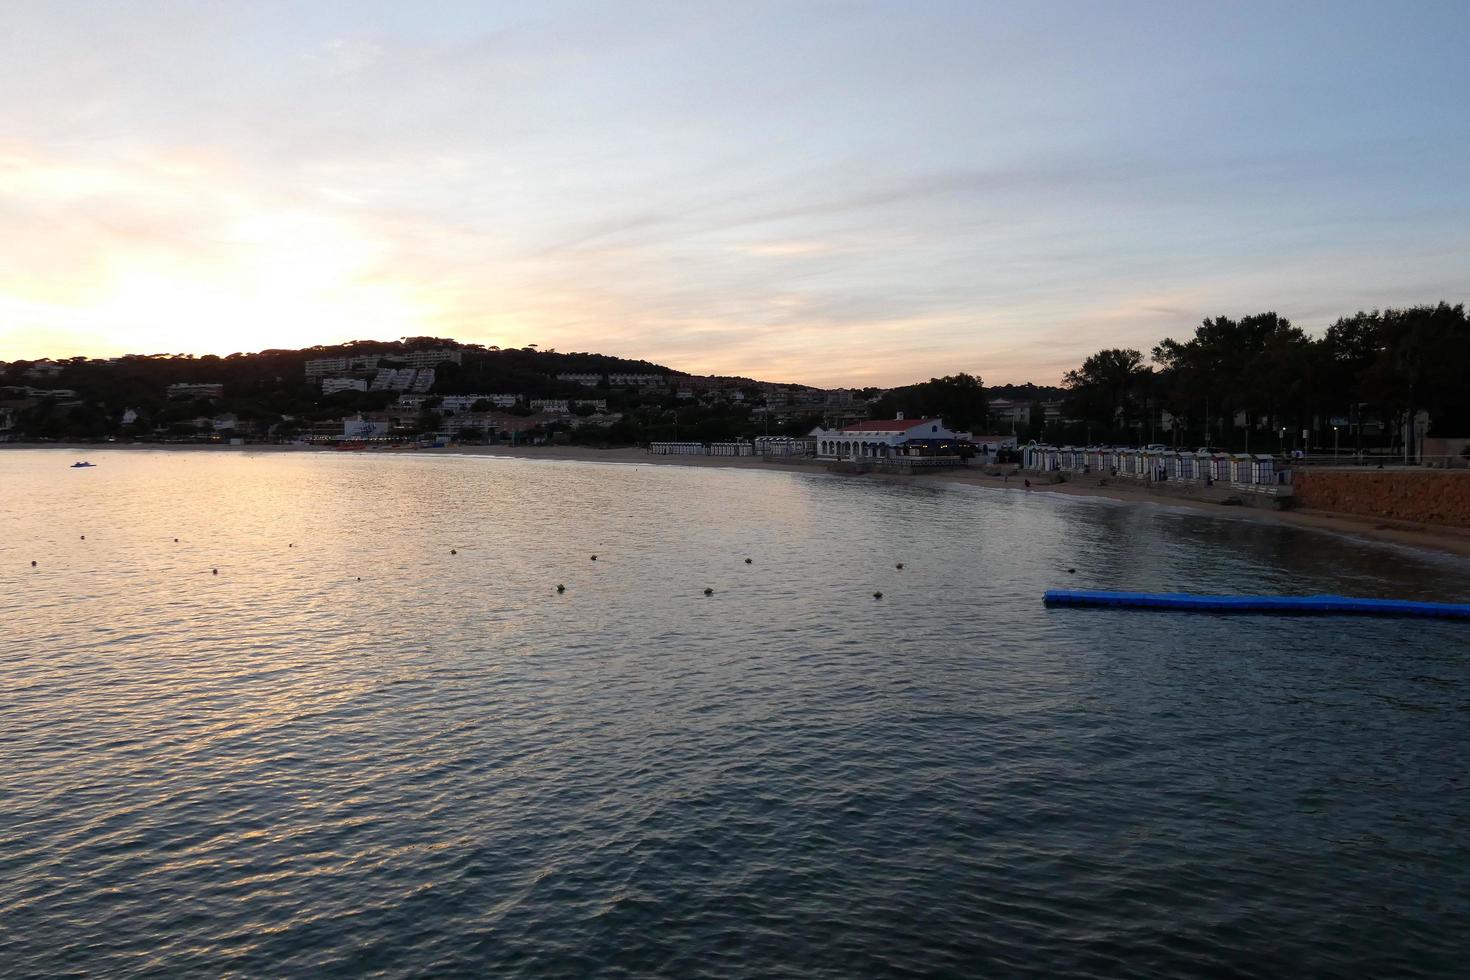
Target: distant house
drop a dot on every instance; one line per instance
(649, 380)
(195, 390)
(987, 446)
(44, 369)
(881, 438)
(362, 427)
(550, 405)
(585, 380)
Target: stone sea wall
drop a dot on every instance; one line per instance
(1428, 496)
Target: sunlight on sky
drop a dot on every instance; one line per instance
(768, 190)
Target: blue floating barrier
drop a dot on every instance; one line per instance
(1322, 605)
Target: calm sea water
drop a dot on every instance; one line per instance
(352, 751)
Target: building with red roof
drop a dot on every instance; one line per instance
(879, 438)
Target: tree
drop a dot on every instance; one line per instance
(957, 399)
(1110, 389)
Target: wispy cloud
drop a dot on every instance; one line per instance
(764, 189)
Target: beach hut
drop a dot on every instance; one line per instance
(1263, 470)
(1220, 467)
(1242, 468)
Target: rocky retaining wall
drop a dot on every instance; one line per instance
(1428, 496)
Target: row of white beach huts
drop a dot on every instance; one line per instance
(1182, 466)
(701, 449)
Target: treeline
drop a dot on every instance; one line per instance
(1262, 377)
(958, 399)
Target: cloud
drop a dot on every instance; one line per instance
(875, 196)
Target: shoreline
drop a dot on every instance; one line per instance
(1425, 537)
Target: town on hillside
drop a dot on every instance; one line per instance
(1385, 386)
(432, 390)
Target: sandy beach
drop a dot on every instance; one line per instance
(1406, 534)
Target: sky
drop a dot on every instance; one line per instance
(819, 192)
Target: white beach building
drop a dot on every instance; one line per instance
(887, 437)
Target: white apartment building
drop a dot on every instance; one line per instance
(550, 405)
(428, 359)
(330, 386)
(320, 367)
(403, 379)
(393, 379)
(586, 380)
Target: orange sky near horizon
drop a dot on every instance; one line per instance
(756, 190)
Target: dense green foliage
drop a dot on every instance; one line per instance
(957, 399)
(1366, 374)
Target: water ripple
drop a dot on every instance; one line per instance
(362, 755)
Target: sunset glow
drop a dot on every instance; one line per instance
(757, 190)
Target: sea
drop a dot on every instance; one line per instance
(324, 714)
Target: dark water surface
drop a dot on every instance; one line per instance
(448, 768)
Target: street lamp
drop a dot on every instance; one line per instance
(1281, 440)
(1334, 443)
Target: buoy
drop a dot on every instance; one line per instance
(1326, 605)
(747, 561)
(1071, 571)
(899, 566)
(561, 588)
(176, 540)
(216, 571)
(359, 578)
(877, 595)
(290, 546)
(709, 591)
(84, 537)
(594, 557)
(453, 552)
(33, 564)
